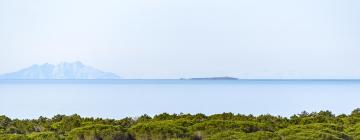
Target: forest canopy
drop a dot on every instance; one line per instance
(226, 126)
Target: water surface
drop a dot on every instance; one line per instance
(121, 98)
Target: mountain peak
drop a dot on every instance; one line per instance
(64, 70)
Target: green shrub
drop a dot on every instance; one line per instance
(314, 131)
(155, 130)
(207, 128)
(354, 131)
(13, 137)
(259, 135)
(43, 136)
(98, 131)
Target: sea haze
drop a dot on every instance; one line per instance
(121, 98)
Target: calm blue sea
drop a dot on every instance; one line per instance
(122, 98)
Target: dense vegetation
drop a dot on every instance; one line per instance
(226, 126)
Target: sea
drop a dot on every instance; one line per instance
(29, 99)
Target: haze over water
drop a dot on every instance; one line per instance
(121, 98)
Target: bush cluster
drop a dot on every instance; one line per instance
(226, 126)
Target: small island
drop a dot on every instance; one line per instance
(215, 78)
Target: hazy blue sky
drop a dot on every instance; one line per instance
(184, 38)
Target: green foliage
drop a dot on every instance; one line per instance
(314, 131)
(67, 123)
(143, 118)
(274, 123)
(4, 122)
(13, 137)
(354, 131)
(215, 126)
(126, 122)
(208, 128)
(259, 135)
(226, 126)
(159, 130)
(165, 116)
(97, 132)
(43, 136)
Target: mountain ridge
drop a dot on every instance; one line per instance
(64, 70)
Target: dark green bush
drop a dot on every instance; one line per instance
(98, 132)
(314, 131)
(226, 126)
(159, 130)
(259, 135)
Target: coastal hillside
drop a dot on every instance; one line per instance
(76, 70)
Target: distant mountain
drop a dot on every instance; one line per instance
(75, 70)
(215, 78)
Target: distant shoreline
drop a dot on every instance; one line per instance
(176, 81)
(190, 79)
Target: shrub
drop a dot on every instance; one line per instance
(313, 131)
(259, 135)
(207, 128)
(168, 129)
(43, 136)
(98, 131)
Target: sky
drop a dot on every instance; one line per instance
(185, 38)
